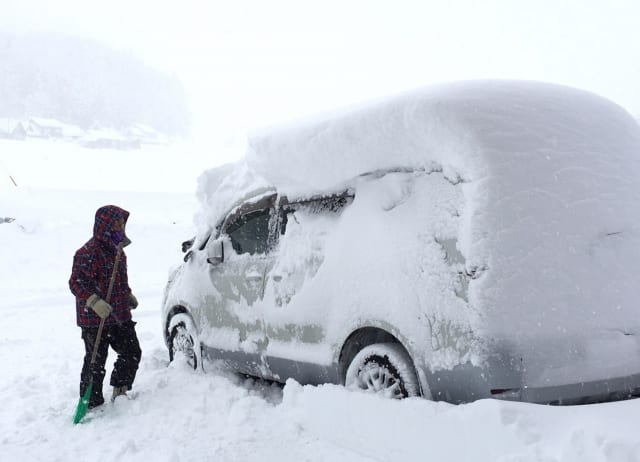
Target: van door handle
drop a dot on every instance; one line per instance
(277, 277)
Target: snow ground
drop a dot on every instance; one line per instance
(182, 415)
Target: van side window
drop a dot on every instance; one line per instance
(318, 205)
(249, 233)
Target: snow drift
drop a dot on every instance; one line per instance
(183, 415)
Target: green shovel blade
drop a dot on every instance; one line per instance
(83, 405)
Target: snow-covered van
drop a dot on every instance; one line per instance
(468, 240)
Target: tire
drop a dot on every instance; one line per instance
(384, 369)
(184, 344)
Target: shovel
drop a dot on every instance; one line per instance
(83, 404)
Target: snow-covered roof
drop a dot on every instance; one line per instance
(143, 130)
(66, 129)
(72, 130)
(471, 126)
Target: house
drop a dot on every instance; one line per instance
(146, 134)
(105, 138)
(12, 129)
(40, 127)
(72, 132)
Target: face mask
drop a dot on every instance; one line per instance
(117, 237)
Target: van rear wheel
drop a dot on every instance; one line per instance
(384, 369)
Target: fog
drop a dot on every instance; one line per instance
(81, 82)
(250, 64)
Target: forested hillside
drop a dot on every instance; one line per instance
(84, 83)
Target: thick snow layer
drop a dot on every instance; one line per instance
(471, 126)
(182, 415)
(546, 212)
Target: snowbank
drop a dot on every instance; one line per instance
(180, 415)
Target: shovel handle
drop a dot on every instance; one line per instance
(109, 291)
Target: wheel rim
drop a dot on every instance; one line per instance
(183, 343)
(377, 377)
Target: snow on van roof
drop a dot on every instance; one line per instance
(501, 131)
(469, 126)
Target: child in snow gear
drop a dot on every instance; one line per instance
(93, 269)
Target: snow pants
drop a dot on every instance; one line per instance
(124, 341)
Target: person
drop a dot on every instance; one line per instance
(91, 274)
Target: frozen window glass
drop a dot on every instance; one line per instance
(250, 232)
(322, 206)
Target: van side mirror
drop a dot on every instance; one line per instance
(186, 248)
(186, 245)
(215, 252)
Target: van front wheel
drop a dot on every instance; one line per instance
(385, 369)
(183, 341)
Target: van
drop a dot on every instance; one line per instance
(465, 241)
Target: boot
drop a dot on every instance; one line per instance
(95, 402)
(119, 391)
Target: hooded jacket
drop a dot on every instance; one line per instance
(92, 268)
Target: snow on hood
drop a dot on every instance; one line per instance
(549, 175)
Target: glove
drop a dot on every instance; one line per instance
(133, 302)
(99, 306)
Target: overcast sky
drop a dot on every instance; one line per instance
(247, 64)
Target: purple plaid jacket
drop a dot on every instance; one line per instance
(92, 268)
